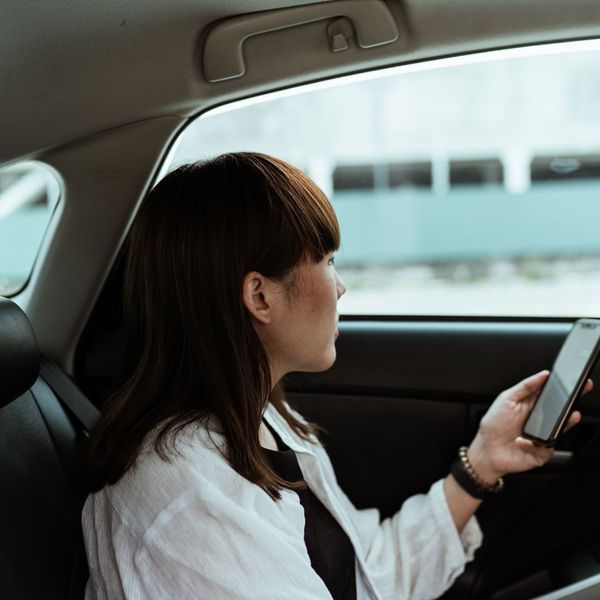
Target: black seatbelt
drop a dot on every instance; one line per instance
(73, 399)
(69, 394)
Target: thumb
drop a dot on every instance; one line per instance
(529, 386)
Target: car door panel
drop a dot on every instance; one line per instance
(372, 441)
(443, 357)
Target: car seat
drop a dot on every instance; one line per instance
(41, 490)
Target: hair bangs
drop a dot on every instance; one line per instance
(310, 216)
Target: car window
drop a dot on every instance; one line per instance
(463, 187)
(29, 193)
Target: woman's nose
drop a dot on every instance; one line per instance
(340, 286)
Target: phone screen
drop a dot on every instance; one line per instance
(566, 373)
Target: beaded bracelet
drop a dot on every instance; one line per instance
(467, 478)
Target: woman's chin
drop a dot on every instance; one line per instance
(328, 360)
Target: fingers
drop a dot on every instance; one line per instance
(529, 445)
(528, 387)
(539, 453)
(573, 420)
(589, 386)
(525, 444)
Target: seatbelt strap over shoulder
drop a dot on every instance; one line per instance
(69, 394)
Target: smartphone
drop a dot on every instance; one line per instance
(565, 382)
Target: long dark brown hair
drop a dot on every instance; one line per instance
(191, 349)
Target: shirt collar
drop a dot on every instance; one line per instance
(289, 438)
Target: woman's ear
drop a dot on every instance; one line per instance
(256, 297)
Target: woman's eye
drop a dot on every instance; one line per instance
(331, 261)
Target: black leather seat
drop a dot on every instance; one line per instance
(41, 548)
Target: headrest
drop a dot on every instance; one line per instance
(19, 352)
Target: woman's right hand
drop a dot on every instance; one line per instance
(499, 447)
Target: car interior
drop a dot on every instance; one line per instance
(99, 94)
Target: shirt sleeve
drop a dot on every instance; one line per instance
(417, 553)
(207, 544)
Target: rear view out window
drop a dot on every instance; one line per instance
(28, 195)
(466, 187)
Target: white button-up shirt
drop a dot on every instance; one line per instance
(194, 528)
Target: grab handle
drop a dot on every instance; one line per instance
(223, 48)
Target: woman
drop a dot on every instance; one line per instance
(205, 484)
